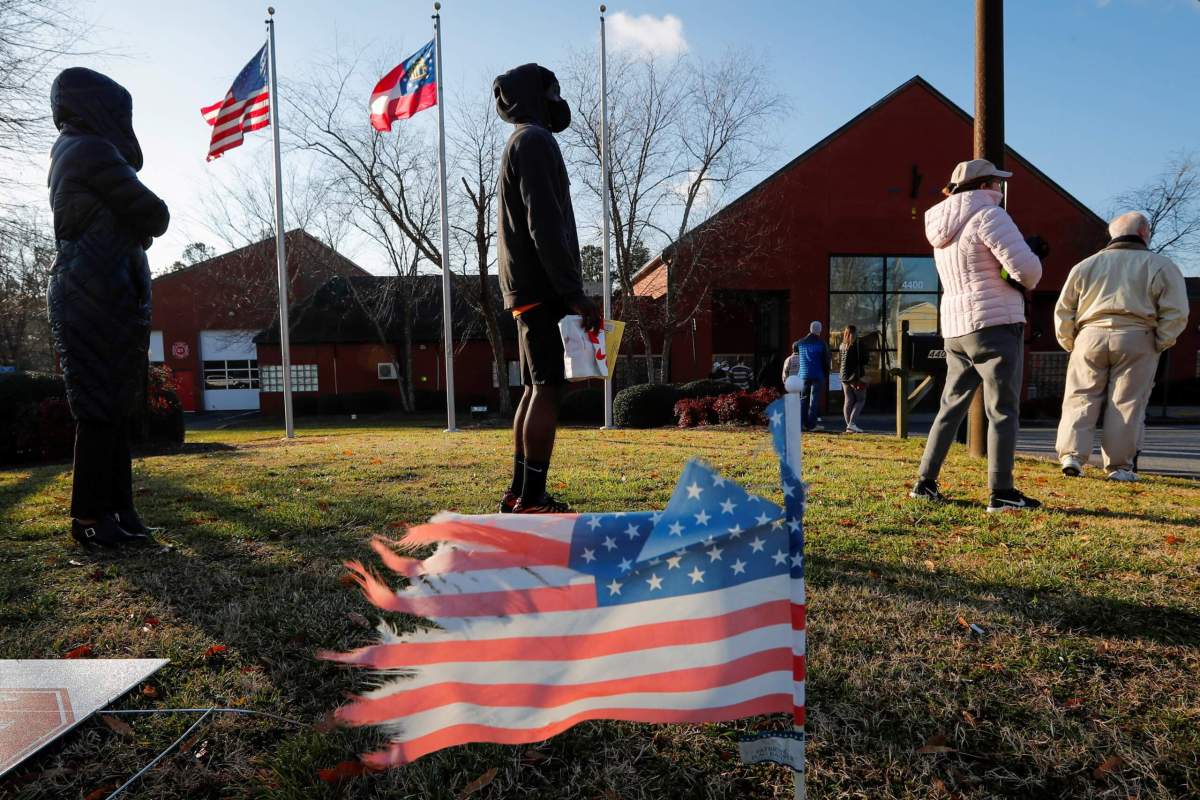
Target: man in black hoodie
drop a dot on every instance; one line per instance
(540, 271)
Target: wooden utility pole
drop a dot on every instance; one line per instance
(989, 144)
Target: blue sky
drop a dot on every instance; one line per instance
(1100, 93)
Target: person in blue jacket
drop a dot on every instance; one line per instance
(810, 362)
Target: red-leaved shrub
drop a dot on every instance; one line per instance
(735, 408)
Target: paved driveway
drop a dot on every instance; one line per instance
(1169, 449)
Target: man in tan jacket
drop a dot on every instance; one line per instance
(1118, 310)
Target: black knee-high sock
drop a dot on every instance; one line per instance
(535, 481)
(518, 479)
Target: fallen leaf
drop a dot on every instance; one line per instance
(376, 460)
(968, 717)
(149, 691)
(117, 726)
(963, 621)
(358, 619)
(1173, 539)
(98, 575)
(1108, 766)
(83, 651)
(480, 782)
(874, 573)
(532, 756)
(100, 792)
(348, 452)
(1073, 702)
(936, 744)
(215, 650)
(343, 771)
(930, 566)
(845, 522)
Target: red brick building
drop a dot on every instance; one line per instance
(206, 316)
(846, 244)
(346, 350)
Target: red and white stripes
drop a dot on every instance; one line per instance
(232, 119)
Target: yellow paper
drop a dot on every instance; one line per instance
(614, 329)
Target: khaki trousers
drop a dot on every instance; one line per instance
(1113, 366)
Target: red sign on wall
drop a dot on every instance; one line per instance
(180, 350)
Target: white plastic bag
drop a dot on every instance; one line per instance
(584, 354)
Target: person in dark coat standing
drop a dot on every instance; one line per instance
(99, 295)
(537, 250)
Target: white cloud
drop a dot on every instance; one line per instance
(647, 34)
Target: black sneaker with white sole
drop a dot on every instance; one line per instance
(927, 490)
(1011, 500)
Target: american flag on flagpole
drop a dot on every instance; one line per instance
(246, 107)
(681, 616)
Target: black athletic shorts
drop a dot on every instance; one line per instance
(540, 345)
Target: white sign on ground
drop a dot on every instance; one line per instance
(41, 699)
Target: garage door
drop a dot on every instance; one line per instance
(230, 370)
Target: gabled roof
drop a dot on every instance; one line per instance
(352, 311)
(916, 80)
(296, 240)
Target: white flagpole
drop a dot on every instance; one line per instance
(280, 254)
(604, 202)
(447, 323)
(793, 417)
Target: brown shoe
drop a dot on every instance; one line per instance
(547, 505)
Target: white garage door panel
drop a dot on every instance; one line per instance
(229, 345)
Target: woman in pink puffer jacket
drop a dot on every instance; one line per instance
(985, 265)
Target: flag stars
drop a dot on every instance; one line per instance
(727, 506)
(625, 564)
(793, 525)
(654, 582)
(614, 588)
(702, 518)
(694, 491)
(739, 567)
(757, 545)
(735, 532)
(762, 519)
(673, 562)
(589, 555)
(631, 531)
(697, 575)
(655, 517)
(780, 557)
(714, 554)
(718, 480)
(776, 419)
(609, 543)
(593, 522)
(788, 490)
(675, 529)
(797, 560)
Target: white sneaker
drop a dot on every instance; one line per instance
(1123, 475)
(853, 429)
(1071, 467)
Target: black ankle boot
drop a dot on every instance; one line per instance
(104, 532)
(130, 522)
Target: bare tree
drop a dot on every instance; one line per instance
(26, 255)
(1171, 201)
(720, 139)
(683, 135)
(35, 35)
(477, 141)
(385, 186)
(643, 112)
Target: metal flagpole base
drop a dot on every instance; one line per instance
(451, 430)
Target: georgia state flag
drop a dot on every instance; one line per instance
(410, 87)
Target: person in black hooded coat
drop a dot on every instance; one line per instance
(537, 250)
(99, 296)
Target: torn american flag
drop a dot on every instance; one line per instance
(692, 614)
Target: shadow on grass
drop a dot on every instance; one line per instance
(1067, 611)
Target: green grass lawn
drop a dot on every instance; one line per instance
(1085, 682)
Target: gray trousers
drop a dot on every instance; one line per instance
(995, 358)
(852, 404)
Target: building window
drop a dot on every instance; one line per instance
(877, 294)
(304, 378)
(236, 374)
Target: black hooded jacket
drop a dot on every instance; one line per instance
(104, 218)
(537, 244)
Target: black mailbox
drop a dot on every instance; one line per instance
(926, 353)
